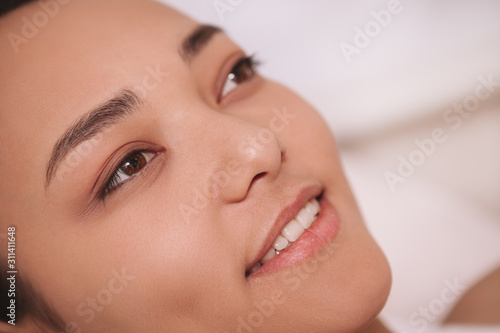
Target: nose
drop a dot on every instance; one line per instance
(247, 154)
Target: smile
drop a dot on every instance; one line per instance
(303, 229)
(291, 232)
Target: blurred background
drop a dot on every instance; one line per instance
(411, 90)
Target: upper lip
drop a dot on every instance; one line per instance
(285, 216)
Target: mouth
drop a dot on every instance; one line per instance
(313, 224)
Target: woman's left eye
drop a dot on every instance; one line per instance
(128, 167)
(244, 70)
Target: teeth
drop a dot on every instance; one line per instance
(269, 255)
(254, 268)
(306, 216)
(280, 243)
(313, 206)
(291, 232)
(303, 220)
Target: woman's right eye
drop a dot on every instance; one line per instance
(129, 167)
(244, 70)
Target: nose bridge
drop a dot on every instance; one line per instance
(244, 151)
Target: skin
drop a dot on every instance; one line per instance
(480, 305)
(186, 275)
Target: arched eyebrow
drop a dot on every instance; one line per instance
(91, 124)
(196, 40)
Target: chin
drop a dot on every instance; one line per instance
(363, 276)
(344, 294)
(356, 282)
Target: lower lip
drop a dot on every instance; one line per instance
(321, 233)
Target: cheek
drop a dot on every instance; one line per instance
(140, 260)
(308, 139)
(183, 270)
(279, 111)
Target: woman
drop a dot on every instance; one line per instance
(158, 169)
(157, 183)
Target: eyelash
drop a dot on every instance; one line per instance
(248, 64)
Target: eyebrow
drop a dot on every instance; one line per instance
(111, 112)
(91, 124)
(194, 43)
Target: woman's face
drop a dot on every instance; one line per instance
(147, 175)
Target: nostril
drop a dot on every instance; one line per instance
(257, 177)
(254, 180)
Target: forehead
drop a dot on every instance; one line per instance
(57, 64)
(82, 40)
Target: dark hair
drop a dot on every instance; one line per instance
(30, 306)
(6, 6)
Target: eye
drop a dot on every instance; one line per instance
(128, 167)
(244, 70)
